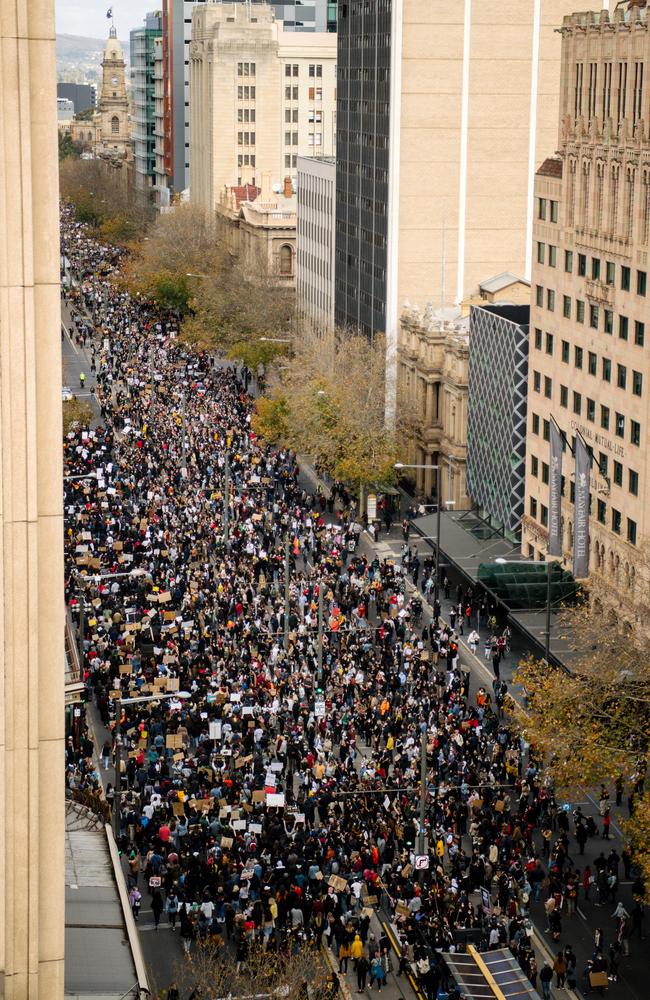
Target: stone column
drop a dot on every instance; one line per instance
(31, 584)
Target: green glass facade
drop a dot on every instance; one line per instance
(142, 90)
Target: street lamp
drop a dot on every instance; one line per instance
(534, 562)
(119, 702)
(434, 468)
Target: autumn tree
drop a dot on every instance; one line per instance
(592, 724)
(76, 411)
(329, 402)
(302, 974)
(103, 199)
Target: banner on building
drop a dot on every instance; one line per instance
(581, 523)
(555, 493)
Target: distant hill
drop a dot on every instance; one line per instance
(78, 58)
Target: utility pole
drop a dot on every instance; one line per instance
(547, 640)
(226, 499)
(82, 600)
(286, 591)
(117, 798)
(183, 444)
(320, 629)
(437, 568)
(423, 792)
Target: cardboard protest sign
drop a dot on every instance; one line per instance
(337, 883)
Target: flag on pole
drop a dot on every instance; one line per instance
(109, 13)
(555, 492)
(581, 524)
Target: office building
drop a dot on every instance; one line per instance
(32, 753)
(298, 15)
(259, 225)
(260, 98)
(316, 186)
(590, 323)
(82, 95)
(161, 181)
(64, 109)
(142, 93)
(444, 110)
(496, 413)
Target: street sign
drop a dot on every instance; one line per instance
(421, 862)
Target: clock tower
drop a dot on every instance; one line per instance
(112, 114)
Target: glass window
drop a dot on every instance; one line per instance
(566, 306)
(609, 321)
(593, 317)
(623, 325)
(546, 430)
(591, 410)
(580, 311)
(607, 370)
(541, 249)
(592, 363)
(637, 383)
(582, 265)
(545, 472)
(616, 521)
(610, 272)
(604, 417)
(564, 396)
(549, 343)
(541, 208)
(621, 376)
(633, 482)
(539, 296)
(641, 282)
(618, 474)
(631, 531)
(602, 511)
(625, 278)
(538, 339)
(550, 299)
(534, 465)
(537, 382)
(577, 403)
(552, 254)
(639, 333)
(548, 387)
(619, 425)
(565, 351)
(532, 506)
(554, 213)
(568, 261)
(603, 461)
(544, 515)
(595, 268)
(578, 356)
(635, 432)
(535, 424)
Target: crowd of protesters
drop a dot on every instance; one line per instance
(279, 801)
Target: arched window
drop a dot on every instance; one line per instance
(115, 124)
(286, 259)
(90, 137)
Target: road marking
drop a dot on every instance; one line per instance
(67, 333)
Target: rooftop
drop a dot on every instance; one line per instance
(501, 281)
(551, 167)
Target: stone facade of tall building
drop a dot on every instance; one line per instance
(32, 758)
(315, 242)
(590, 323)
(259, 97)
(444, 111)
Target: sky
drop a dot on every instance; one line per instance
(88, 17)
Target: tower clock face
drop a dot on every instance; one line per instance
(114, 81)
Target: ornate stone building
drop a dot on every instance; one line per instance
(433, 359)
(588, 360)
(112, 118)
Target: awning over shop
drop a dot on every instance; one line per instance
(490, 975)
(466, 540)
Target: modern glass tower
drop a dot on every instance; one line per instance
(142, 87)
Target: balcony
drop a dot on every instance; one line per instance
(598, 291)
